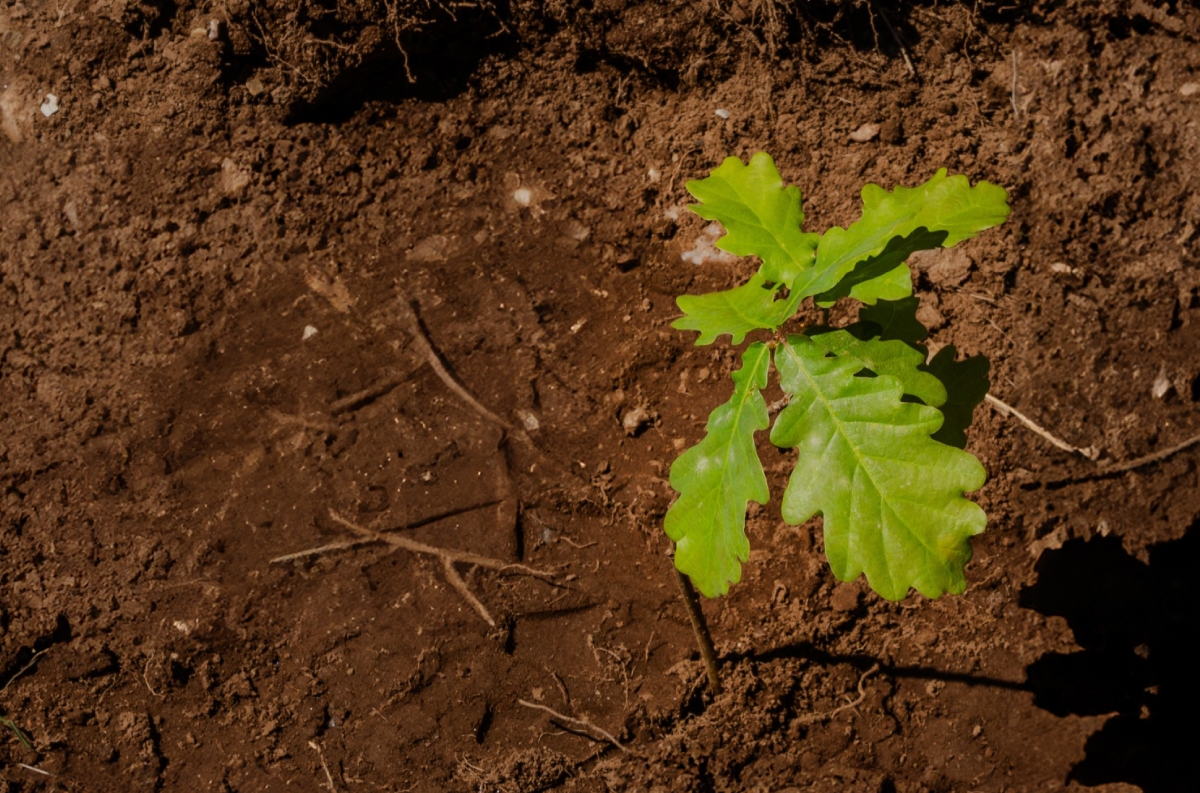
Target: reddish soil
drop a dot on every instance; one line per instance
(168, 426)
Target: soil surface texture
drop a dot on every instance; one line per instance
(277, 275)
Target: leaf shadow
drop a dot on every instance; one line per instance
(1135, 622)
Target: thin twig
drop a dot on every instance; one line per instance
(459, 584)
(368, 394)
(691, 601)
(450, 554)
(449, 557)
(1138, 462)
(1089, 452)
(24, 668)
(324, 766)
(435, 363)
(320, 549)
(813, 718)
(34, 770)
(1016, 111)
(586, 727)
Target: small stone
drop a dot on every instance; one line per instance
(1187, 89)
(49, 105)
(1162, 384)
(635, 420)
(309, 332)
(865, 133)
(255, 86)
(845, 597)
(722, 113)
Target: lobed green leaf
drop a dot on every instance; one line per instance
(892, 497)
(751, 306)
(894, 358)
(717, 478)
(939, 213)
(761, 217)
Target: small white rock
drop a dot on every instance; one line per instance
(214, 29)
(49, 105)
(528, 420)
(309, 332)
(1187, 89)
(865, 133)
(522, 196)
(575, 328)
(1162, 384)
(722, 113)
(634, 420)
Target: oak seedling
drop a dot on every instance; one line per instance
(878, 429)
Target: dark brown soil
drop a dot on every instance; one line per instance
(171, 237)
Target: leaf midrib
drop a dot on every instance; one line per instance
(841, 430)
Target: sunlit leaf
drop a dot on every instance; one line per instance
(894, 358)
(918, 215)
(761, 217)
(751, 306)
(891, 496)
(717, 478)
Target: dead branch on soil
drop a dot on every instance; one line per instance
(24, 669)
(1138, 462)
(813, 718)
(324, 766)
(435, 363)
(577, 725)
(1089, 452)
(448, 556)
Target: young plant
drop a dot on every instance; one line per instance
(878, 430)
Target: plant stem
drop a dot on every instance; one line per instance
(703, 638)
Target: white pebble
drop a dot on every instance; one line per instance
(722, 113)
(309, 332)
(50, 105)
(523, 196)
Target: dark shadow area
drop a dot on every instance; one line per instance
(1136, 623)
(863, 662)
(437, 63)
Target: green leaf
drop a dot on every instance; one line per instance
(761, 217)
(893, 358)
(717, 478)
(751, 306)
(891, 496)
(966, 385)
(943, 204)
(886, 276)
(896, 319)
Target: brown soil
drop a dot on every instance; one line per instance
(195, 204)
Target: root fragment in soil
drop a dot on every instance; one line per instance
(579, 726)
(813, 718)
(1090, 452)
(448, 556)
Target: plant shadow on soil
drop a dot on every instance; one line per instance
(1135, 622)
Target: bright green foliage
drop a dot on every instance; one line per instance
(751, 306)
(893, 358)
(864, 261)
(891, 496)
(762, 217)
(874, 426)
(717, 478)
